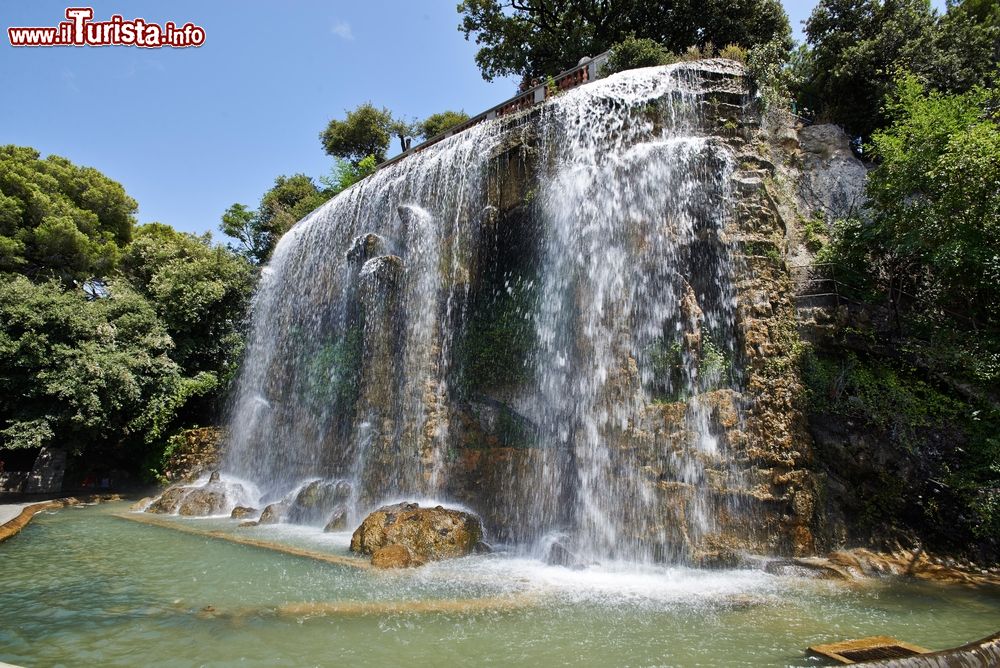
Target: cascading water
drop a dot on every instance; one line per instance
(556, 288)
(635, 280)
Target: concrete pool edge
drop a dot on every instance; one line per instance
(350, 562)
(13, 527)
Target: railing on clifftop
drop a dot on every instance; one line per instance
(588, 70)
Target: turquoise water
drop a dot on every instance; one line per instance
(81, 587)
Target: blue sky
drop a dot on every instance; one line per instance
(190, 131)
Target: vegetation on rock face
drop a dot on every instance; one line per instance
(925, 262)
(500, 339)
(535, 38)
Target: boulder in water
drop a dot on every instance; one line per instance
(428, 534)
(168, 502)
(212, 498)
(393, 556)
(273, 513)
(241, 512)
(202, 501)
(314, 502)
(338, 520)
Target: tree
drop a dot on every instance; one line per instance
(87, 372)
(535, 38)
(288, 201)
(200, 292)
(365, 131)
(435, 124)
(858, 46)
(935, 196)
(59, 220)
(344, 174)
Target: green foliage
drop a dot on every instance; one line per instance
(766, 65)
(435, 124)
(346, 174)
(676, 371)
(634, 52)
(288, 201)
(85, 371)
(500, 340)
(365, 131)
(935, 206)
(200, 292)
(535, 38)
(858, 46)
(898, 404)
(59, 220)
(733, 52)
(814, 232)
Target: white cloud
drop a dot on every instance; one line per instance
(342, 29)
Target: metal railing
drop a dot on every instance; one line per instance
(585, 72)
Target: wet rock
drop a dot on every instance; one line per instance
(141, 504)
(365, 247)
(215, 477)
(168, 502)
(247, 524)
(392, 556)
(428, 533)
(239, 512)
(314, 503)
(203, 501)
(338, 521)
(273, 513)
(560, 555)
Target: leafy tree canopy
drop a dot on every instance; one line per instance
(288, 201)
(858, 46)
(534, 38)
(58, 219)
(200, 293)
(435, 124)
(366, 131)
(86, 372)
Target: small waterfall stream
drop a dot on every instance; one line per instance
(565, 274)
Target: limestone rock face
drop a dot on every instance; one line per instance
(428, 534)
(833, 179)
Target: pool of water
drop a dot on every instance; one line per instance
(82, 587)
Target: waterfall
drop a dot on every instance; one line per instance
(553, 293)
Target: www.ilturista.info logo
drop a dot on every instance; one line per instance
(80, 30)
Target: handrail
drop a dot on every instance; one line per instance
(587, 71)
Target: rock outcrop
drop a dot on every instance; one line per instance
(215, 497)
(427, 534)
